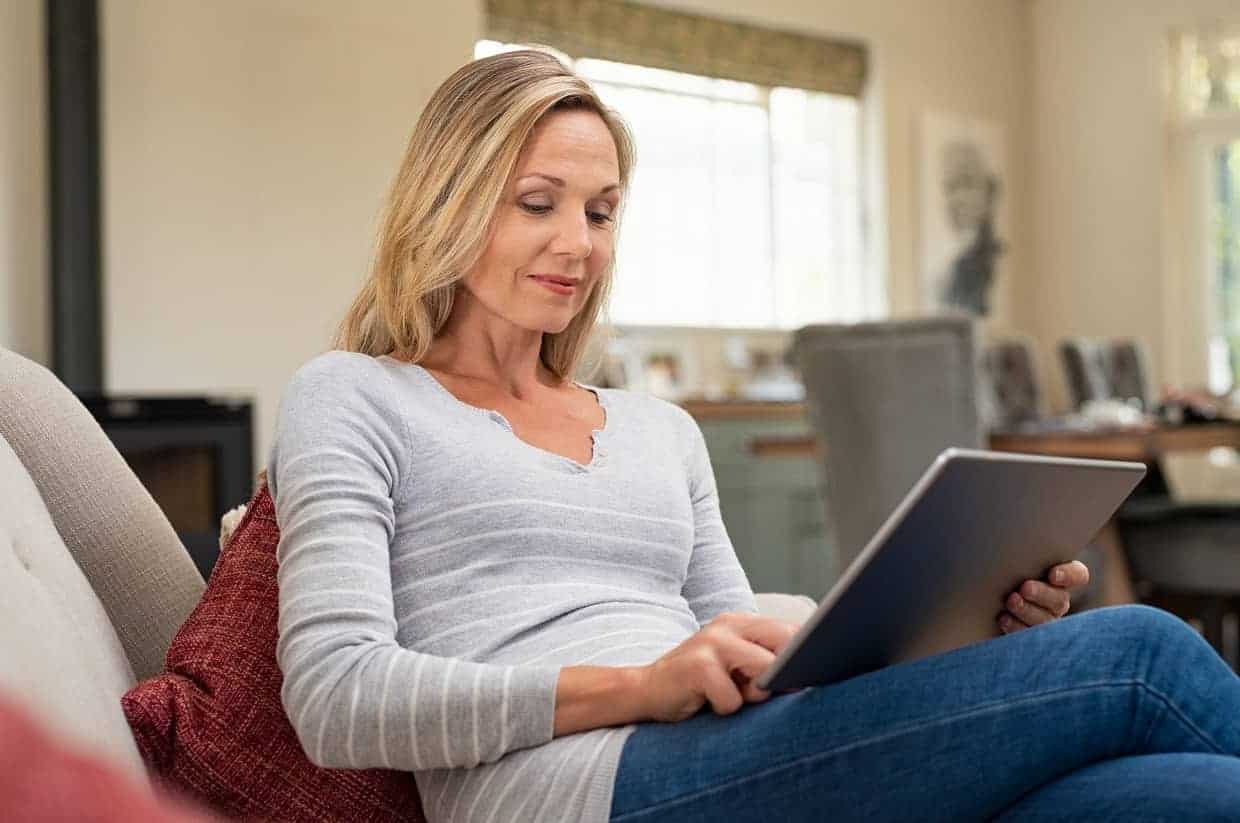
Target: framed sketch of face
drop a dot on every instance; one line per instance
(963, 224)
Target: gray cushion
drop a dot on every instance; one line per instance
(121, 540)
(58, 651)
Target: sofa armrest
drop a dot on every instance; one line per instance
(795, 608)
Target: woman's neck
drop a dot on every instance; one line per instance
(480, 346)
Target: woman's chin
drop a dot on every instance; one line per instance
(557, 327)
(556, 322)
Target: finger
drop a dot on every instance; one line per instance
(1054, 600)
(746, 678)
(1009, 624)
(1069, 575)
(743, 656)
(749, 688)
(745, 662)
(1026, 612)
(769, 633)
(721, 692)
(753, 694)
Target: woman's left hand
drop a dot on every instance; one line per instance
(1038, 601)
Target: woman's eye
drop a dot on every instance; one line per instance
(536, 208)
(599, 218)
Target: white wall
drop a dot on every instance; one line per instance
(248, 146)
(23, 175)
(1105, 259)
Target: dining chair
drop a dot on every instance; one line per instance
(1106, 370)
(1085, 369)
(885, 398)
(1186, 559)
(1128, 373)
(1011, 383)
(1183, 556)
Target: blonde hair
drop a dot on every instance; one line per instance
(441, 205)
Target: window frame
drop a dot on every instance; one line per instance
(1191, 321)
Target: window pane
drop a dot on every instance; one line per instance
(487, 48)
(741, 280)
(661, 275)
(664, 80)
(1226, 168)
(1211, 71)
(695, 241)
(819, 267)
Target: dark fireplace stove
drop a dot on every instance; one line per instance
(195, 456)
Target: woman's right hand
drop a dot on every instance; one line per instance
(718, 665)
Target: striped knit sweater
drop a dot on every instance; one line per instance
(436, 572)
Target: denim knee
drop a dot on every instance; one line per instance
(1144, 621)
(1152, 629)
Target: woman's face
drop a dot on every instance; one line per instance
(553, 234)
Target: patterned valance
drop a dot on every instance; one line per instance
(628, 32)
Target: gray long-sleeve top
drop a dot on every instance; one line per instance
(436, 572)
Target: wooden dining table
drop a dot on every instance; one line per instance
(1144, 443)
(1141, 443)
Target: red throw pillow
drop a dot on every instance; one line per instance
(213, 726)
(42, 779)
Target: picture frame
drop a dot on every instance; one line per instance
(963, 219)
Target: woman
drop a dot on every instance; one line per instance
(520, 588)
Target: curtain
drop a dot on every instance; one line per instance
(627, 32)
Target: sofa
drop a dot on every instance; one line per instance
(94, 582)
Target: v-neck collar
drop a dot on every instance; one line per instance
(598, 451)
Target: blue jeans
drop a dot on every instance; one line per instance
(1116, 714)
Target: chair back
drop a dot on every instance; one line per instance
(1128, 373)
(885, 398)
(1084, 366)
(1013, 389)
(1105, 370)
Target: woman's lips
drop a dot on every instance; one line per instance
(559, 285)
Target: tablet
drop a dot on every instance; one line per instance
(934, 577)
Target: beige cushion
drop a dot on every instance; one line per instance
(121, 540)
(58, 651)
(795, 608)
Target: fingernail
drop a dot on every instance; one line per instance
(1058, 576)
(1016, 601)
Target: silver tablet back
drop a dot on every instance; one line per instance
(933, 578)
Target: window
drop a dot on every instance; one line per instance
(1225, 197)
(1211, 71)
(745, 208)
(1209, 141)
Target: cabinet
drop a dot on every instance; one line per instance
(771, 505)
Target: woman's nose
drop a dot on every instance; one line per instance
(573, 236)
